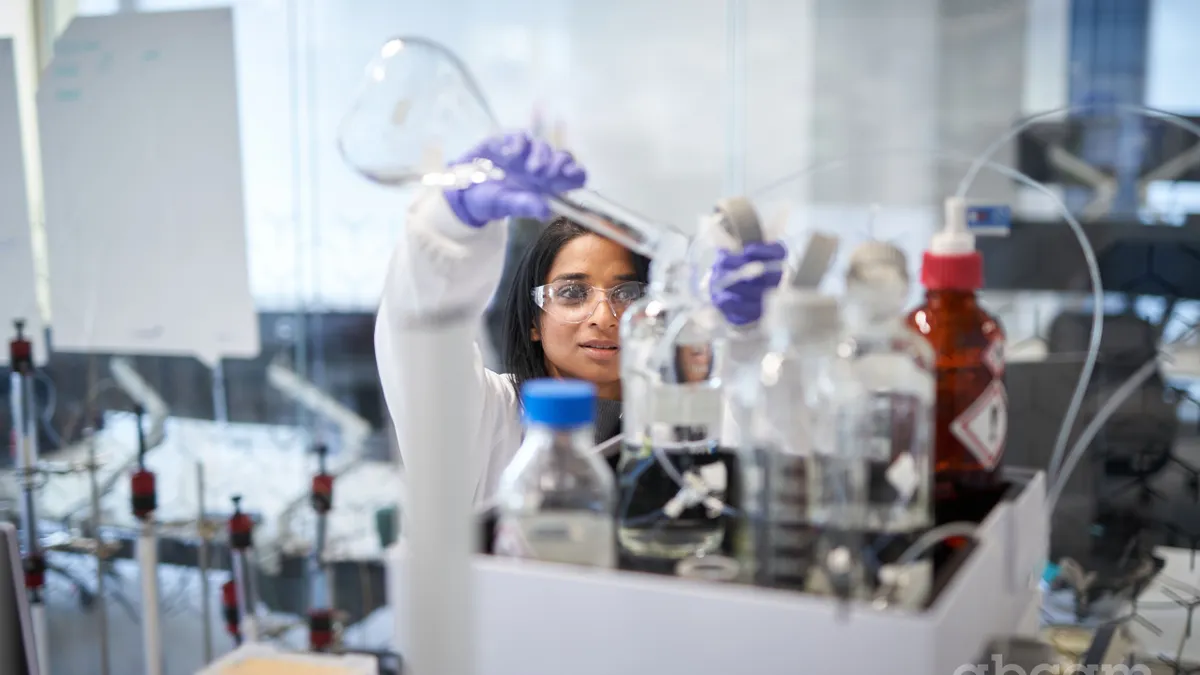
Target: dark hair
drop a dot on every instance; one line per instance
(524, 358)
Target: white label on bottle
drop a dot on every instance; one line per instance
(983, 426)
(993, 357)
(903, 476)
(577, 538)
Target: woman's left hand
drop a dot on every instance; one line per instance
(741, 299)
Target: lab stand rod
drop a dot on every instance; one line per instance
(245, 605)
(41, 637)
(220, 397)
(147, 555)
(241, 536)
(330, 594)
(320, 597)
(101, 554)
(143, 491)
(229, 611)
(25, 436)
(202, 563)
(321, 630)
(24, 416)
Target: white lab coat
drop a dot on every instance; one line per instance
(440, 263)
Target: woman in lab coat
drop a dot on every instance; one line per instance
(563, 310)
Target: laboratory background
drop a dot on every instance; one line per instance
(195, 238)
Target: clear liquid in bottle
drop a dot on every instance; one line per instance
(888, 431)
(555, 500)
(785, 413)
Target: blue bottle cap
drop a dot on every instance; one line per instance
(559, 403)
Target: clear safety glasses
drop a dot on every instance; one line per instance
(575, 302)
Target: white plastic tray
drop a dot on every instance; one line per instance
(540, 619)
(349, 664)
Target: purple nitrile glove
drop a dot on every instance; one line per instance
(742, 300)
(532, 170)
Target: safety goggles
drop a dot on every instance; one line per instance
(575, 302)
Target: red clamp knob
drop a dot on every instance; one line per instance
(229, 608)
(322, 483)
(20, 350)
(241, 527)
(322, 493)
(144, 496)
(320, 629)
(35, 571)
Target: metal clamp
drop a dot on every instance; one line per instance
(739, 220)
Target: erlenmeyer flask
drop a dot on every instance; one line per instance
(420, 107)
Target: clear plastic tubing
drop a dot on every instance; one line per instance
(1123, 392)
(1085, 438)
(1089, 256)
(1089, 364)
(934, 537)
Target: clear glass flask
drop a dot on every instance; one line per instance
(891, 424)
(786, 407)
(420, 107)
(555, 500)
(673, 473)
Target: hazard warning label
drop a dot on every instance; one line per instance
(993, 357)
(982, 427)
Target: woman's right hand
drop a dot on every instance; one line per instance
(532, 169)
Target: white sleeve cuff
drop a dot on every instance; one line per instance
(431, 209)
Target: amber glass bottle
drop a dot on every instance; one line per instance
(972, 405)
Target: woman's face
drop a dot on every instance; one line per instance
(587, 350)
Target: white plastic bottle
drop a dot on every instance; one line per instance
(789, 413)
(555, 500)
(893, 368)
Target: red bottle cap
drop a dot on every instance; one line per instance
(952, 272)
